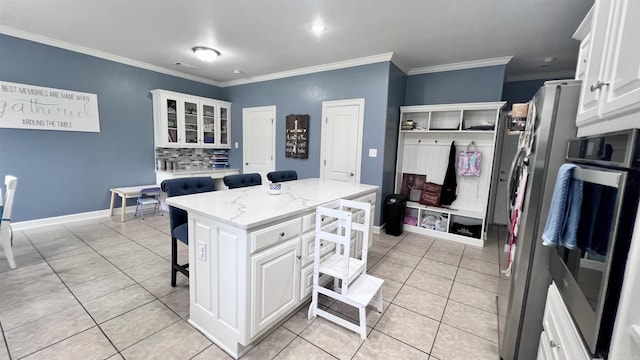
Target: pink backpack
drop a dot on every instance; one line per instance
(470, 161)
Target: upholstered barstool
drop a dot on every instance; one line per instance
(244, 180)
(282, 175)
(178, 219)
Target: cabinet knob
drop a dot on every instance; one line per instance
(246, 164)
(351, 174)
(598, 85)
(553, 344)
(282, 234)
(299, 257)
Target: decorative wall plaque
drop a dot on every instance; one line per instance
(297, 136)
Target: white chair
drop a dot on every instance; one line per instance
(351, 283)
(6, 234)
(148, 196)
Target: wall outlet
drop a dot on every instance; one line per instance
(373, 152)
(202, 251)
(236, 144)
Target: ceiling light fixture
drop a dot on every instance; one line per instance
(317, 28)
(237, 71)
(205, 54)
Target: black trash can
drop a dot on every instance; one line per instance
(394, 207)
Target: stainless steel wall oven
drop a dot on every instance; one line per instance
(590, 277)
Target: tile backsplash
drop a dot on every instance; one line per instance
(183, 158)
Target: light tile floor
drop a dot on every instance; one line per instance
(100, 289)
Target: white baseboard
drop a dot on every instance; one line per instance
(56, 220)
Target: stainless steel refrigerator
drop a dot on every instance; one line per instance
(555, 105)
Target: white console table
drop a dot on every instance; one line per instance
(251, 255)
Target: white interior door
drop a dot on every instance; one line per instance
(342, 127)
(258, 140)
(509, 148)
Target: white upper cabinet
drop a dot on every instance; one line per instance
(182, 120)
(610, 68)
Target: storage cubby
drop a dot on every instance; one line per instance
(445, 120)
(426, 152)
(479, 120)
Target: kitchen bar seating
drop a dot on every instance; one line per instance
(243, 180)
(282, 175)
(6, 235)
(178, 220)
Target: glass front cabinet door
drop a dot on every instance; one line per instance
(171, 124)
(224, 126)
(182, 120)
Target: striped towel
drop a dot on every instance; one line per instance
(564, 213)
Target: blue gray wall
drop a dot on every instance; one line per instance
(457, 86)
(60, 172)
(63, 173)
(304, 94)
(515, 92)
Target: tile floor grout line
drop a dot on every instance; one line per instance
(6, 344)
(82, 305)
(79, 303)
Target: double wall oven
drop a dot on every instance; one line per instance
(590, 277)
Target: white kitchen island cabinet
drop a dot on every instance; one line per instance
(247, 268)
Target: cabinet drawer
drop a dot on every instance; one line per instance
(564, 340)
(272, 235)
(371, 199)
(544, 349)
(308, 243)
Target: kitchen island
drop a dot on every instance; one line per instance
(251, 255)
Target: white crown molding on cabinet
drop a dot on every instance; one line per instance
(101, 54)
(461, 65)
(565, 74)
(312, 69)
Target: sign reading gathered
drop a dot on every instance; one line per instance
(34, 107)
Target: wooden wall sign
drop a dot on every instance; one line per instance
(297, 136)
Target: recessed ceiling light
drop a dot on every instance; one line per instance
(236, 71)
(317, 28)
(206, 54)
(549, 59)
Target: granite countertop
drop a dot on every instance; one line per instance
(197, 170)
(253, 206)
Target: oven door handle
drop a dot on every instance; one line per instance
(601, 177)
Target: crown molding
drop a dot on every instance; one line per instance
(101, 54)
(564, 74)
(397, 62)
(461, 65)
(311, 69)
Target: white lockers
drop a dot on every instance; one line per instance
(425, 150)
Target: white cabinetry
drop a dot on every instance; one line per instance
(275, 278)
(425, 150)
(611, 84)
(182, 120)
(560, 338)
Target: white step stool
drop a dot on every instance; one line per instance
(351, 284)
